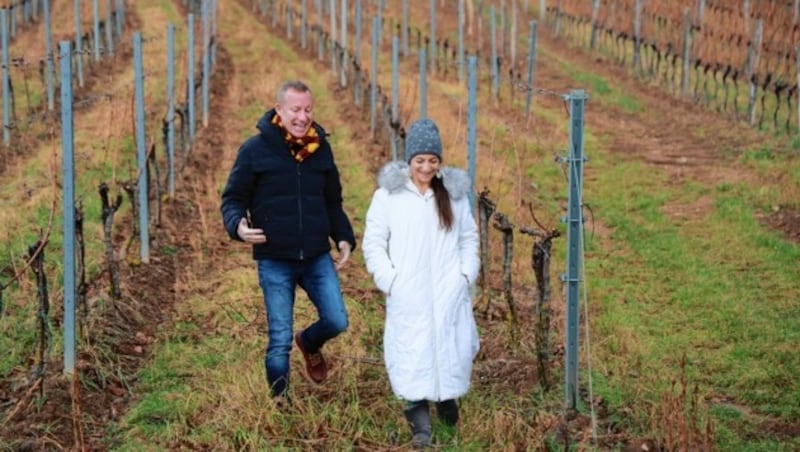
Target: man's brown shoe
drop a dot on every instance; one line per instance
(315, 363)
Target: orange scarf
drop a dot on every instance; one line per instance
(302, 147)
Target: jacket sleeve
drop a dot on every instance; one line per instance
(376, 242)
(467, 241)
(341, 229)
(236, 196)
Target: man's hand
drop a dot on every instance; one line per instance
(248, 234)
(344, 254)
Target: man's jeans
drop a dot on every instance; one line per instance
(278, 279)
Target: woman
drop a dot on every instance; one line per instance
(421, 248)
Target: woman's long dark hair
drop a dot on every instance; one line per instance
(443, 207)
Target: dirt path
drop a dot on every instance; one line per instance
(673, 136)
(667, 134)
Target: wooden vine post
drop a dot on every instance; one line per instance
(540, 262)
(507, 228)
(486, 208)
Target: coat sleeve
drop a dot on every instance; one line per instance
(236, 197)
(376, 242)
(467, 241)
(341, 229)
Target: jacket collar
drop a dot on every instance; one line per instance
(394, 176)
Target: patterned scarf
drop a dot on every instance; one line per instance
(301, 148)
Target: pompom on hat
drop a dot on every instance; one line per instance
(423, 138)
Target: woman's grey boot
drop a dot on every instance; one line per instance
(447, 410)
(419, 419)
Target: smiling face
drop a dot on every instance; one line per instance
(295, 109)
(423, 169)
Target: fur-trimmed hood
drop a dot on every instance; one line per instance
(394, 175)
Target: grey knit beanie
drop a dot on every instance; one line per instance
(423, 138)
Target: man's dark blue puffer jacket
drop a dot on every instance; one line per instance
(298, 205)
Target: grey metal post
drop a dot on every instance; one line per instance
(687, 49)
(6, 80)
(577, 99)
(795, 18)
(472, 124)
(304, 24)
(395, 91)
(289, 20)
(68, 184)
(404, 28)
(595, 12)
(495, 70)
(637, 35)
(433, 34)
(109, 29)
(78, 43)
(213, 42)
(343, 23)
(206, 61)
(531, 67)
(460, 41)
(120, 15)
(512, 39)
(333, 37)
(373, 89)
(141, 152)
(320, 44)
(357, 43)
(746, 16)
(171, 108)
(753, 56)
(190, 76)
(343, 80)
(357, 55)
(96, 28)
(423, 84)
(381, 7)
(701, 12)
(557, 21)
(501, 47)
(51, 89)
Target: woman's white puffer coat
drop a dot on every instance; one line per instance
(430, 339)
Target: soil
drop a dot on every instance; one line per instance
(107, 385)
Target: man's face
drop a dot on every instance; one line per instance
(295, 112)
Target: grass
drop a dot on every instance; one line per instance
(597, 88)
(723, 296)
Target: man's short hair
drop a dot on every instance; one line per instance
(293, 85)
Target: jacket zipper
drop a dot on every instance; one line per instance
(300, 210)
(436, 370)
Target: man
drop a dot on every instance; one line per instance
(284, 197)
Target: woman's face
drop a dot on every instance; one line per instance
(424, 168)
